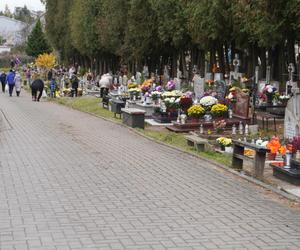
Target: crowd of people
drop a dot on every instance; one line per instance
(56, 81)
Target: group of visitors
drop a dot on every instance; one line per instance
(11, 80)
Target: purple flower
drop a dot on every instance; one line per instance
(188, 94)
(158, 88)
(171, 85)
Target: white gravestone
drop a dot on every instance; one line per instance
(292, 117)
(198, 86)
(138, 77)
(177, 83)
(146, 72)
(166, 74)
(219, 77)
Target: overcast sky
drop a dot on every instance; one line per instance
(31, 4)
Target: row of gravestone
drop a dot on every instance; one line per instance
(240, 109)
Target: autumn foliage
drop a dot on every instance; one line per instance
(45, 61)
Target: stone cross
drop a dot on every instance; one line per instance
(236, 64)
(291, 70)
(289, 85)
(256, 74)
(268, 75)
(255, 88)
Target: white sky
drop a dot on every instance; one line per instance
(31, 4)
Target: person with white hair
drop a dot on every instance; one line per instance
(18, 83)
(105, 83)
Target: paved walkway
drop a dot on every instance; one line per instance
(84, 183)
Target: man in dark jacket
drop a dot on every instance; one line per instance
(75, 83)
(10, 80)
(37, 86)
(3, 81)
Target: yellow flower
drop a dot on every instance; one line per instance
(196, 111)
(219, 109)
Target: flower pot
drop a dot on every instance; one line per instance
(229, 149)
(195, 120)
(271, 156)
(222, 147)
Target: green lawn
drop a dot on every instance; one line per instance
(87, 104)
(92, 105)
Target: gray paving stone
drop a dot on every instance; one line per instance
(69, 180)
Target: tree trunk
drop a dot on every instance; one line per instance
(221, 57)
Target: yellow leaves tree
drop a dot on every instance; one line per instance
(45, 61)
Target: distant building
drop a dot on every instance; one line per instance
(11, 31)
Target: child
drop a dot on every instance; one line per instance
(53, 85)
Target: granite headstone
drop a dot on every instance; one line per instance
(220, 88)
(241, 107)
(198, 86)
(292, 117)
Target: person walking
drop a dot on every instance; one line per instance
(28, 76)
(37, 86)
(53, 85)
(18, 83)
(3, 81)
(75, 83)
(10, 80)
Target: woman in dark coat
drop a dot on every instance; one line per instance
(37, 86)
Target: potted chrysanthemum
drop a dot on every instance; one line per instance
(196, 112)
(219, 110)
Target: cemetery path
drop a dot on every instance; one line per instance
(69, 180)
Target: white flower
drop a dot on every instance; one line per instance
(259, 142)
(284, 97)
(230, 96)
(208, 101)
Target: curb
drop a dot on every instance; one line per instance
(241, 175)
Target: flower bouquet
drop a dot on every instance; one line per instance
(155, 95)
(219, 126)
(196, 111)
(296, 146)
(174, 93)
(283, 99)
(208, 101)
(219, 110)
(231, 98)
(186, 101)
(171, 85)
(134, 92)
(172, 104)
(274, 146)
(269, 91)
(224, 142)
(132, 85)
(158, 88)
(146, 86)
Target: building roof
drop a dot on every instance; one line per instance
(10, 30)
